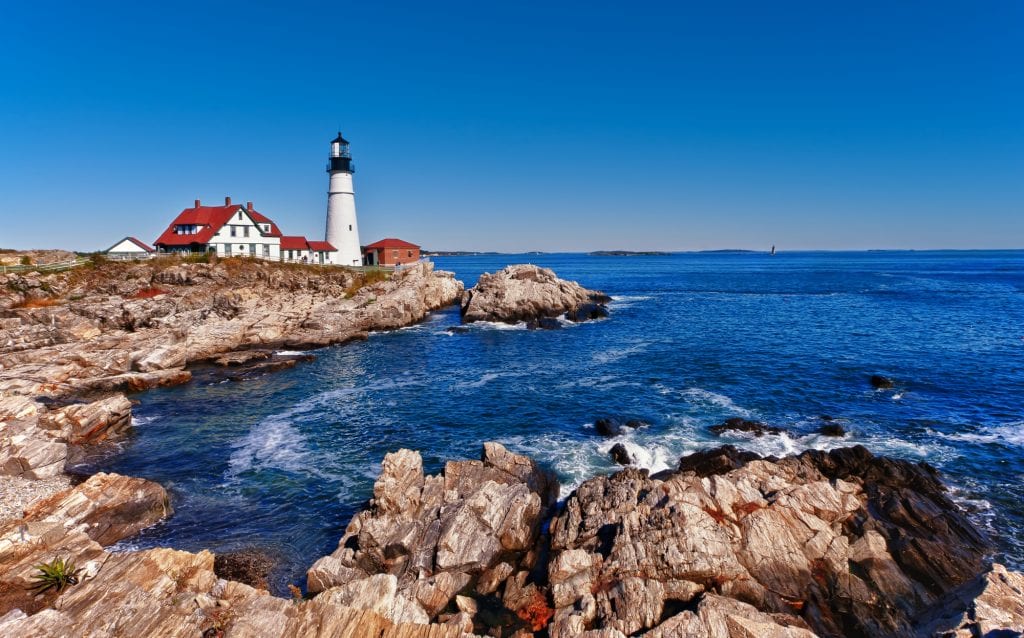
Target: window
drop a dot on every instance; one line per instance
(394, 253)
(252, 249)
(245, 231)
(409, 254)
(239, 215)
(227, 249)
(266, 228)
(266, 250)
(350, 226)
(234, 231)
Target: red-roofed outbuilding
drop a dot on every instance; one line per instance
(390, 252)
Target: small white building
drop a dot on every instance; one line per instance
(129, 248)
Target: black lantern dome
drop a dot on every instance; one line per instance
(341, 155)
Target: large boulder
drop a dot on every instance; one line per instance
(83, 423)
(525, 292)
(106, 507)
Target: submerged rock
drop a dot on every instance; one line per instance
(620, 454)
(612, 426)
(544, 323)
(881, 383)
(737, 424)
(832, 429)
(529, 293)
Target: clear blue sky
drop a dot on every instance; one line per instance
(522, 125)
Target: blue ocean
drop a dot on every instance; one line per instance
(283, 461)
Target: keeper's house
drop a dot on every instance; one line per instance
(232, 230)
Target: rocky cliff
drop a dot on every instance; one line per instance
(131, 326)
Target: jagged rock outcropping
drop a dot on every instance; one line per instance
(425, 539)
(730, 545)
(530, 293)
(155, 592)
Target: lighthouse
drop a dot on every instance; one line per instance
(342, 229)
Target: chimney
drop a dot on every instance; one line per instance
(248, 206)
(227, 201)
(197, 203)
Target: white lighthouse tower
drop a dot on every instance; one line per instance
(342, 229)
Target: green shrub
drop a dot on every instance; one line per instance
(57, 574)
(25, 260)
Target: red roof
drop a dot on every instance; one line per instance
(293, 242)
(263, 219)
(390, 242)
(209, 220)
(322, 245)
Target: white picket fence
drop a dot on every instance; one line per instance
(56, 266)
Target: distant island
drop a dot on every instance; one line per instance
(455, 253)
(627, 253)
(732, 250)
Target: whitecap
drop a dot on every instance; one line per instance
(273, 443)
(626, 301)
(615, 354)
(708, 397)
(1010, 434)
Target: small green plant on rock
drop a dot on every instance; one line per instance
(57, 574)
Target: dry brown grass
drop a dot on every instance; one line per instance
(363, 279)
(37, 302)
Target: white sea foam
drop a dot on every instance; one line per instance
(616, 354)
(1010, 434)
(700, 395)
(626, 301)
(482, 381)
(273, 443)
(288, 353)
(139, 421)
(497, 325)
